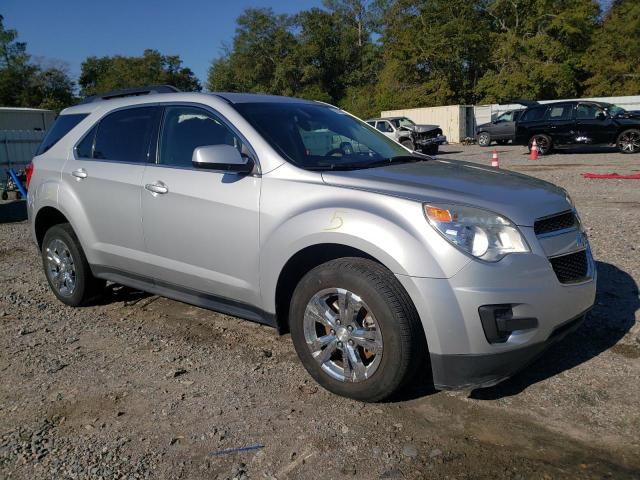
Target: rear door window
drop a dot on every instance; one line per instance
(63, 125)
(534, 114)
(559, 112)
(125, 135)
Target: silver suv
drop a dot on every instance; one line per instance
(296, 214)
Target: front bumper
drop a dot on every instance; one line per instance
(461, 355)
(437, 140)
(461, 372)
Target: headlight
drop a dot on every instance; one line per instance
(481, 233)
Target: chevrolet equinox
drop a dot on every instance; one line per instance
(378, 260)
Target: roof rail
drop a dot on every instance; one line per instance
(131, 92)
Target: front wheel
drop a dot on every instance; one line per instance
(629, 141)
(409, 144)
(484, 139)
(355, 329)
(430, 149)
(66, 267)
(543, 142)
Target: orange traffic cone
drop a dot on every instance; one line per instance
(534, 150)
(495, 161)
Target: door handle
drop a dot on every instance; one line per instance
(80, 173)
(157, 187)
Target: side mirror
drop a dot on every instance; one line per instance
(601, 116)
(221, 157)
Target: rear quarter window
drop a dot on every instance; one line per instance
(533, 114)
(63, 125)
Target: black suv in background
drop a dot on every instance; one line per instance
(579, 123)
(501, 130)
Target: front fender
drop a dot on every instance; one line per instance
(392, 230)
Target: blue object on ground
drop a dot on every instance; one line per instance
(14, 176)
(257, 446)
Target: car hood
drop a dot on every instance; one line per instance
(519, 197)
(635, 114)
(422, 128)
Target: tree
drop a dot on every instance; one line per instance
(537, 48)
(25, 84)
(319, 53)
(261, 58)
(435, 51)
(101, 74)
(612, 62)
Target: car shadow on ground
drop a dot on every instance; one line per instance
(114, 293)
(612, 317)
(447, 152)
(15, 211)
(581, 150)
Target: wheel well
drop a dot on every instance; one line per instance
(297, 267)
(46, 218)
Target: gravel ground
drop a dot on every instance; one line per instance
(144, 387)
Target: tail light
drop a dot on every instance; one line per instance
(29, 172)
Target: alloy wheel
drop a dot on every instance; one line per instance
(61, 267)
(629, 142)
(483, 140)
(343, 335)
(543, 144)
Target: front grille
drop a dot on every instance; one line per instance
(554, 223)
(430, 134)
(572, 267)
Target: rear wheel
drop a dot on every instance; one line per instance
(484, 139)
(66, 267)
(409, 144)
(543, 142)
(355, 329)
(629, 141)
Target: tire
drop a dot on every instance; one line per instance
(5, 195)
(629, 141)
(430, 150)
(484, 139)
(385, 317)
(78, 286)
(408, 143)
(543, 142)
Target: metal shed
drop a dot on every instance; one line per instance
(21, 131)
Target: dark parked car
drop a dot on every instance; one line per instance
(501, 130)
(579, 123)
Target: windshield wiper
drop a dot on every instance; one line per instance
(373, 164)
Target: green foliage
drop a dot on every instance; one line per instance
(537, 47)
(612, 62)
(25, 84)
(101, 74)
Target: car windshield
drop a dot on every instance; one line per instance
(320, 137)
(402, 122)
(615, 110)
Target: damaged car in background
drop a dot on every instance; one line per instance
(422, 138)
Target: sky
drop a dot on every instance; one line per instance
(71, 30)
